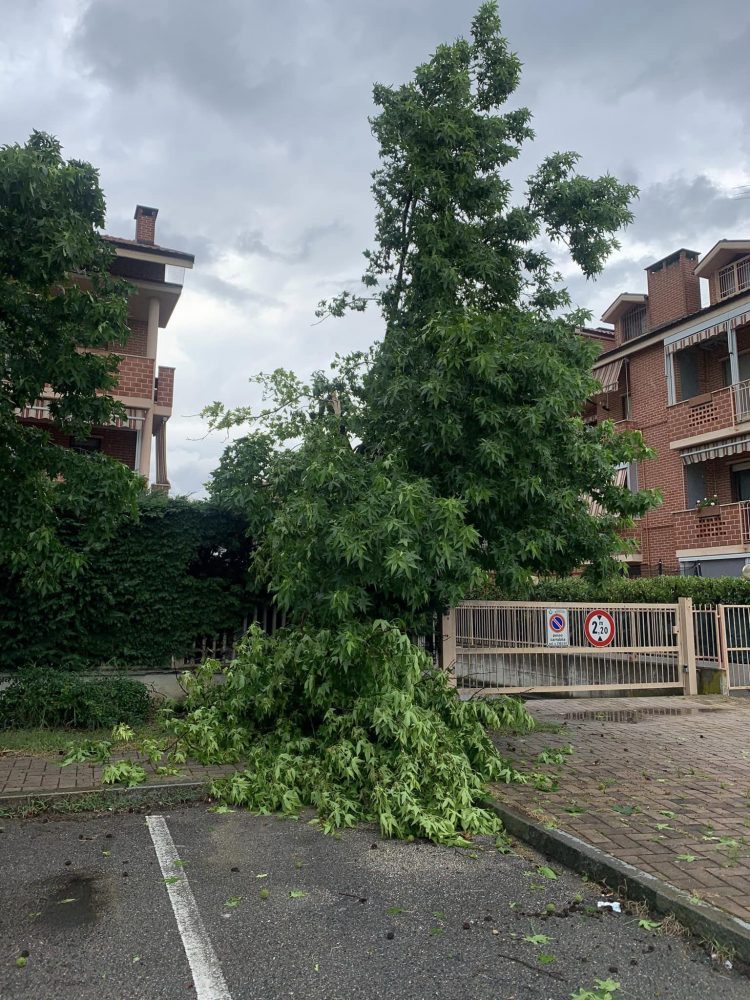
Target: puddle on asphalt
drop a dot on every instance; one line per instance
(73, 900)
(632, 714)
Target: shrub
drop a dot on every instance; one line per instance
(55, 698)
(648, 590)
(356, 723)
(177, 572)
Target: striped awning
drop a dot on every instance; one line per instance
(716, 449)
(621, 478)
(40, 411)
(608, 375)
(707, 334)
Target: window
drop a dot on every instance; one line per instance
(634, 323)
(695, 484)
(744, 366)
(627, 475)
(86, 444)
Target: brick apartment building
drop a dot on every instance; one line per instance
(155, 274)
(680, 373)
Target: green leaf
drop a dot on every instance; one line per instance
(537, 939)
(297, 894)
(232, 902)
(649, 925)
(686, 857)
(547, 872)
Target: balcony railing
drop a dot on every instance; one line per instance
(734, 278)
(741, 393)
(725, 524)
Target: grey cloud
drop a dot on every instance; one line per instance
(686, 209)
(253, 244)
(246, 124)
(229, 291)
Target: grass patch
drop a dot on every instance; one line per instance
(53, 742)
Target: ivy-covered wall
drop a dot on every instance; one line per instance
(178, 572)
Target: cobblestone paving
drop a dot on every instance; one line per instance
(30, 775)
(660, 783)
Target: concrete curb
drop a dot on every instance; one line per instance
(703, 919)
(16, 800)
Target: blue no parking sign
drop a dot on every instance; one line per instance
(557, 627)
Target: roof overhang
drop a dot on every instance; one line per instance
(622, 304)
(141, 292)
(723, 253)
(154, 254)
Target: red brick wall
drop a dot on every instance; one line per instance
(701, 414)
(673, 291)
(166, 386)
(708, 528)
(118, 442)
(136, 342)
(136, 377)
(648, 398)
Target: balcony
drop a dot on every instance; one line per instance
(721, 410)
(725, 525)
(734, 278)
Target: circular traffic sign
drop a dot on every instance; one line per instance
(599, 628)
(557, 623)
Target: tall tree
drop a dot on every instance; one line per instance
(56, 298)
(379, 491)
(479, 382)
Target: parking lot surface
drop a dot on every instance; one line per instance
(280, 911)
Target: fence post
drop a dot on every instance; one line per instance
(686, 644)
(723, 645)
(448, 645)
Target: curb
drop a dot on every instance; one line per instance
(186, 790)
(703, 919)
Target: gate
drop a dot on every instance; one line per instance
(734, 636)
(509, 647)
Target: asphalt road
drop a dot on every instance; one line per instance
(349, 917)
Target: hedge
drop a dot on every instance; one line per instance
(56, 698)
(178, 572)
(646, 590)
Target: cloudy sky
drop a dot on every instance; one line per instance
(245, 123)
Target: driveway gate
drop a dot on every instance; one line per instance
(513, 647)
(734, 630)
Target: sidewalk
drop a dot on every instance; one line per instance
(662, 784)
(33, 775)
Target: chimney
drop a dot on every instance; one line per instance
(145, 223)
(673, 289)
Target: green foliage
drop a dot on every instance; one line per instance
(56, 296)
(620, 589)
(57, 698)
(176, 572)
(605, 990)
(123, 772)
(379, 492)
(355, 722)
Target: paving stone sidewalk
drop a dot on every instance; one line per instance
(24, 775)
(660, 783)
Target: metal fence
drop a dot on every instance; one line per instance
(221, 646)
(734, 640)
(509, 647)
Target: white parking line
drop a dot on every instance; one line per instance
(208, 979)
